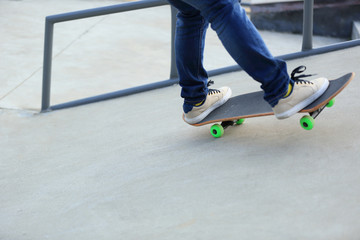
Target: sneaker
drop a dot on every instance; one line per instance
(214, 99)
(303, 93)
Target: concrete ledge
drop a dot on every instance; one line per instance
(331, 18)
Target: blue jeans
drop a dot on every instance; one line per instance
(239, 37)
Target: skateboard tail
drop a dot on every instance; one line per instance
(332, 92)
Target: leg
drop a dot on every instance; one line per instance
(245, 45)
(189, 47)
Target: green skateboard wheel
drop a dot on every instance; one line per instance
(331, 103)
(307, 122)
(240, 121)
(217, 130)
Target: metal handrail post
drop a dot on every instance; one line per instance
(308, 25)
(173, 68)
(48, 46)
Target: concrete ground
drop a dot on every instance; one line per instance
(130, 168)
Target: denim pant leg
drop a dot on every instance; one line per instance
(189, 48)
(243, 42)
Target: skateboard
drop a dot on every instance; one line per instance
(250, 105)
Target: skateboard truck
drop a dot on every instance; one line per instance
(217, 130)
(307, 122)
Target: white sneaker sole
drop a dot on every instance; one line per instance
(210, 109)
(304, 103)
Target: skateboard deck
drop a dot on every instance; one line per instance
(250, 105)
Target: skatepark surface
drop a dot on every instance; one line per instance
(130, 168)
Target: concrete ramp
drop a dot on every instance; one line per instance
(131, 167)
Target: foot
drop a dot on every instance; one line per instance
(214, 99)
(303, 93)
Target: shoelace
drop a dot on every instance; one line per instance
(298, 79)
(212, 91)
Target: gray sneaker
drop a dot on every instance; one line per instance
(214, 99)
(303, 93)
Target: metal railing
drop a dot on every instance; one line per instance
(50, 21)
(307, 49)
